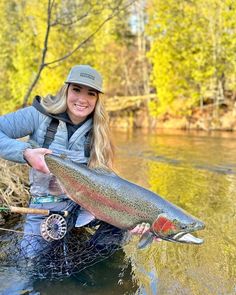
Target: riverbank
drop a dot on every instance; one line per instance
(206, 118)
(14, 187)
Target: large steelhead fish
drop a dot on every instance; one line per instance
(122, 203)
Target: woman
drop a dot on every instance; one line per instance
(81, 132)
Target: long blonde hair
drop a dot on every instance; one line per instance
(102, 148)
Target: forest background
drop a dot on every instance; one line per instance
(178, 55)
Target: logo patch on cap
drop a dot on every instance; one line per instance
(87, 76)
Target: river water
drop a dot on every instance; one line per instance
(194, 170)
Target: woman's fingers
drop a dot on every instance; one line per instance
(35, 158)
(140, 228)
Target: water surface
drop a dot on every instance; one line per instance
(194, 170)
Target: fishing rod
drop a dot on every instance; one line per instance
(27, 210)
(53, 227)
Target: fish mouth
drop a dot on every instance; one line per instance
(187, 238)
(178, 232)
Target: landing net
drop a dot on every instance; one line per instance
(78, 250)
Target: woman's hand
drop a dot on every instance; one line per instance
(35, 158)
(140, 229)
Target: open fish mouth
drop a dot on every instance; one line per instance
(187, 238)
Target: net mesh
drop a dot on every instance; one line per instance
(78, 250)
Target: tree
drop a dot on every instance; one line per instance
(85, 9)
(49, 34)
(192, 45)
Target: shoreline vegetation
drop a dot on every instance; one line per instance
(14, 188)
(181, 52)
(201, 120)
(209, 117)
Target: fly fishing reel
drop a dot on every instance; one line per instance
(54, 227)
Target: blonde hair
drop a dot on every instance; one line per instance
(56, 104)
(102, 148)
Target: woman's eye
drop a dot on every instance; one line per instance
(92, 93)
(76, 89)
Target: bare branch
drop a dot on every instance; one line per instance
(115, 13)
(64, 16)
(44, 52)
(43, 64)
(58, 22)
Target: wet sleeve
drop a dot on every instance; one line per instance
(14, 126)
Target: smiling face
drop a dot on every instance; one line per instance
(81, 102)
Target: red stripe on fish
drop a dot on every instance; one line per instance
(99, 213)
(80, 188)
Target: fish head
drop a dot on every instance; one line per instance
(177, 230)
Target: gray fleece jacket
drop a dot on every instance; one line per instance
(33, 123)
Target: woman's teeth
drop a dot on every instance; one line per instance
(80, 107)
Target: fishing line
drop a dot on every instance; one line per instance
(17, 231)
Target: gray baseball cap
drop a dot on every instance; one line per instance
(85, 75)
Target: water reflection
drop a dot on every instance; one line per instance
(111, 276)
(197, 172)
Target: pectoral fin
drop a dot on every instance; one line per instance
(84, 218)
(145, 240)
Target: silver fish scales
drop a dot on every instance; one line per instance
(122, 203)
